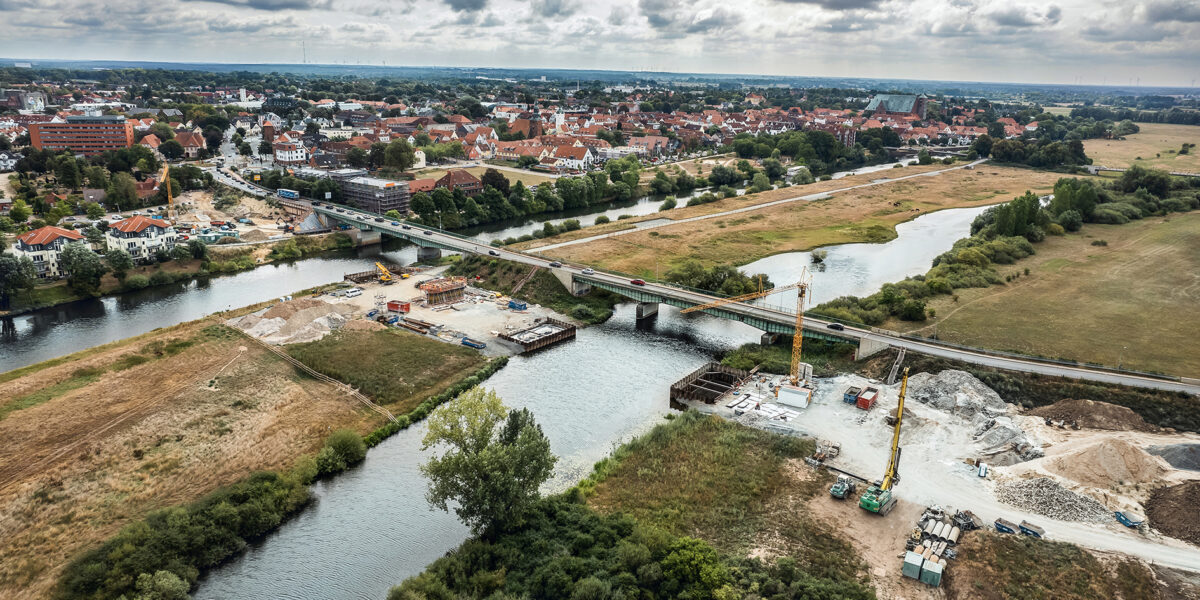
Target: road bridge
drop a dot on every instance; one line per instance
(772, 320)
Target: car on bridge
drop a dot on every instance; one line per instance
(493, 253)
(427, 232)
(637, 282)
(405, 227)
(395, 223)
(555, 264)
(589, 271)
(836, 326)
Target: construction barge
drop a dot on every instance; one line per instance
(543, 333)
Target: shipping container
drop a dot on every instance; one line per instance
(867, 398)
(398, 306)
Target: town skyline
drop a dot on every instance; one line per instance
(1148, 43)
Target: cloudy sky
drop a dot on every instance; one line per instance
(1055, 41)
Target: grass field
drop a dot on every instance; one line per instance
(529, 178)
(743, 490)
(1132, 302)
(396, 369)
(1157, 145)
(95, 441)
(861, 215)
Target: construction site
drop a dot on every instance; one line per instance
(417, 300)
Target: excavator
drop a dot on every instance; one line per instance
(385, 276)
(878, 498)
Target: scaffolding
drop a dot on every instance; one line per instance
(448, 290)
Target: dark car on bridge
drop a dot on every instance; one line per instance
(493, 253)
(378, 219)
(637, 282)
(405, 227)
(427, 232)
(836, 326)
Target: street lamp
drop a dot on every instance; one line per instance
(1121, 356)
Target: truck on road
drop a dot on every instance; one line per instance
(289, 194)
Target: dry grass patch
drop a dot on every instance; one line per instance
(79, 466)
(867, 214)
(1157, 144)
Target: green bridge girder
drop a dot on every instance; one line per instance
(418, 239)
(642, 294)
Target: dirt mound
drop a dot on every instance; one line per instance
(1048, 498)
(1180, 456)
(285, 310)
(1094, 415)
(1109, 464)
(363, 325)
(1172, 510)
(255, 235)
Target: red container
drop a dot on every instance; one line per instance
(865, 403)
(398, 306)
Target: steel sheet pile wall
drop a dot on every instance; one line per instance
(707, 383)
(567, 332)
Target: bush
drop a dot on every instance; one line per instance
(1109, 217)
(1070, 220)
(602, 219)
(136, 282)
(1055, 229)
(161, 278)
(668, 204)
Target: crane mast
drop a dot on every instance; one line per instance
(891, 476)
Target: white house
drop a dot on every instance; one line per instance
(43, 246)
(141, 236)
(8, 160)
(574, 157)
(418, 159)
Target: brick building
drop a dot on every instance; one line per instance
(85, 135)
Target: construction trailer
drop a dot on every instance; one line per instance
(447, 290)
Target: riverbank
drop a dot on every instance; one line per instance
(221, 260)
(861, 214)
(97, 440)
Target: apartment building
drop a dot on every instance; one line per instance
(141, 236)
(43, 246)
(84, 135)
(374, 194)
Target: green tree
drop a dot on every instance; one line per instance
(162, 585)
(68, 173)
(393, 215)
(923, 157)
(497, 180)
(264, 148)
(84, 267)
(773, 168)
(20, 211)
(96, 177)
(344, 448)
(357, 158)
(16, 274)
(119, 262)
(171, 149)
(94, 236)
(759, 183)
(93, 210)
(492, 466)
(181, 252)
(244, 149)
(399, 155)
(424, 207)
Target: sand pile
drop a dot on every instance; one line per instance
(1172, 510)
(1108, 464)
(363, 325)
(1046, 497)
(1180, 456)
(294, 321)
(1094, 415)
(255, 235)
(956, 392)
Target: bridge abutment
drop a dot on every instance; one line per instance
(868, 347)
(426, 254)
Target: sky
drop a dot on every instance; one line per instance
(1154, 42)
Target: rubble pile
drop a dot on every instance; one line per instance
(300, 320)
(1003, 442)
(1090, 414)
(1046, 497)
(956, 392)
(1109, 464)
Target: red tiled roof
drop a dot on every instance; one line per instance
(190, 139)
(139, 223)
(47, 234)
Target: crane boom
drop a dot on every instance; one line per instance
(891, 475)
(741, 298)
(798, 337)
(165, 179)
(385, 276)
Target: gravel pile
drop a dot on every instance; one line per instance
(1046, 497)
(956, 392)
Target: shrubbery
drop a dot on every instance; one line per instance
(343, 449)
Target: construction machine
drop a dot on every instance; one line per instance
(165, 177)
(843, 488)
(802, 286)
(878, 498)
(385, 276)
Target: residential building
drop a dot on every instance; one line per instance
(193, 143)
(574, 157)
(418, 159)
(85, 135)
(374, 194)
(422, 185)
(43, 246)
(458, 179)
(140, 236)
(9, 159)
(898, 104)
(22, 100)
(290, 153)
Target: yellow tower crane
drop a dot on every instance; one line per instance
(165, 178)
(802, 286)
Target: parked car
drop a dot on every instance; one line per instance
(493, 253)
(589, 271)
(637, 282)
(556, 264)
(836, 326)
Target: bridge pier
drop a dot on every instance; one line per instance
(868, 347)
(428, 254)
(646, 310)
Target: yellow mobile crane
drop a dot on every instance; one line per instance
(802, 285)
(878, 498)
(385, 276)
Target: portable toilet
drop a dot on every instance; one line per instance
(931, 573)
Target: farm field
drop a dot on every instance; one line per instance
(861, 215)
(1131, 302)
(1157, 145)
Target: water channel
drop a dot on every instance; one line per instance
(370, 528)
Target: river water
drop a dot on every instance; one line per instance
(370, 528)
